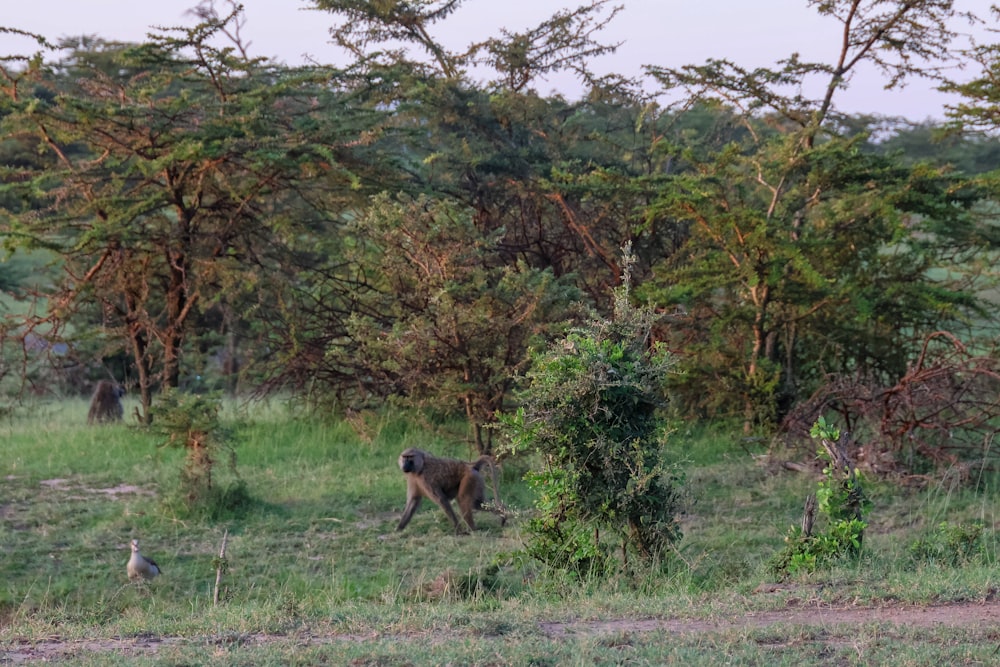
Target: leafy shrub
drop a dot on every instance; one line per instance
(591, 411)
(840, 498)
(951, 544)
(191, 422)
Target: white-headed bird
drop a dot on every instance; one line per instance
(140, 567)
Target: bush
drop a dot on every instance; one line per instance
(592, 411)
(840, 499)
(954, 545)
(191, 422)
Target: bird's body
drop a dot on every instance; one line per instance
(140, 567)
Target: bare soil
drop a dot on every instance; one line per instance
(969, 615)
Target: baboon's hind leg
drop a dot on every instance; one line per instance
(445, 505)
(470, 497)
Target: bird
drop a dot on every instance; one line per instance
(140, 567)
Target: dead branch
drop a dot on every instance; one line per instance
(939, 413)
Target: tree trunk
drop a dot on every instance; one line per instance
(138, 343)
(761, 300)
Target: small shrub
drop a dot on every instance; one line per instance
(191, 422)
(954, 545)
(840, 499)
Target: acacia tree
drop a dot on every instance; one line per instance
(804, 254)
(184, 176)
(462, 273)
(445, 320)
(544, 170)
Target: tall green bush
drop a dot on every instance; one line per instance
(191, 422)
(591, 411)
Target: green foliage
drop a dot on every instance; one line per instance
(803, 553)
(191, 422)
(447, 322)
(800, 250)
(841, 500)
(839, 495)
(180, 182)
(950, 545)
(591, 411)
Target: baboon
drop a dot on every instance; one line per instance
(106, 403)
(442, 480)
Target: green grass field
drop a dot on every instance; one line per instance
(318, 575)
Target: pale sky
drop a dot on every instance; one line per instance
(669, 33)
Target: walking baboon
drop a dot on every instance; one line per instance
(443, 480)
(106, 403)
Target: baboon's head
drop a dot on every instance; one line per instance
(411, 460)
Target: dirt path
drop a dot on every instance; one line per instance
(968, 615)
(964, 615)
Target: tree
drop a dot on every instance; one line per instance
(444, 320)
(455, 279)
(185, 177)
(805, 254)
(537, 168)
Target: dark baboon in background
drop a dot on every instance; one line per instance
(106, 403)
(443, 480)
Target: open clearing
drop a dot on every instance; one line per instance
(318, 575)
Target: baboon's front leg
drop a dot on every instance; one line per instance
(412, 503)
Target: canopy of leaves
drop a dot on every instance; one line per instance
(179, 179)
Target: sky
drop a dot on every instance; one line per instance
(666, 33)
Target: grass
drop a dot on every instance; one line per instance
(317, 573)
